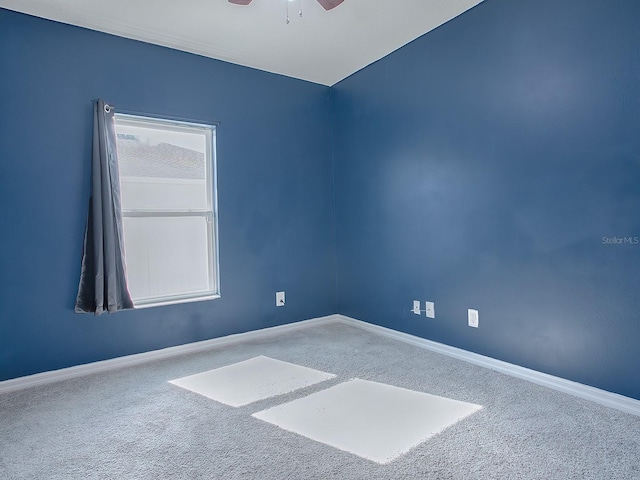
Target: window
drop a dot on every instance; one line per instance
(167, 180)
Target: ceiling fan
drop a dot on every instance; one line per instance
(326, 4)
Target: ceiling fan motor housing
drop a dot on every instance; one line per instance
(326, 4)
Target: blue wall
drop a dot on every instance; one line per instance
(480, 166)
(275, 191)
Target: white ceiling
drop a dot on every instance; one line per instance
(321, 47)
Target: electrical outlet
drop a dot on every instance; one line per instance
(430, 309)
(416, 307)
(473, 318)
(279, 299)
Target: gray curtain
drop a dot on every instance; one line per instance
(103, 282)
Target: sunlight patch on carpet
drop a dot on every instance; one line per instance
(372, 420)
(251, 380)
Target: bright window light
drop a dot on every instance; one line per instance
(168, 194)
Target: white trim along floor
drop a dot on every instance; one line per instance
(602, 397)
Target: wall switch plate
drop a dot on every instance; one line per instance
(430, 309)
(473, 318)
(416, 307)
(279, 299)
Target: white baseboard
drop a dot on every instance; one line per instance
(608, 399)
(602, 397)
(136, 359)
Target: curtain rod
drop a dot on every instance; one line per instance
(215, 123)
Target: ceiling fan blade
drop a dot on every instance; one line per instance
(328, 4)
(240, 2)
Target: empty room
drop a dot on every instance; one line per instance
(320, 239)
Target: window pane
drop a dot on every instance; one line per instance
(162, 169)
(167, 256)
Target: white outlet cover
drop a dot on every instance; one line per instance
(416, 307)
(430, 309)
(474, 318)
(279, 299)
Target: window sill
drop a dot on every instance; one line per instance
(175, 301)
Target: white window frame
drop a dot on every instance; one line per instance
(210, 214)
